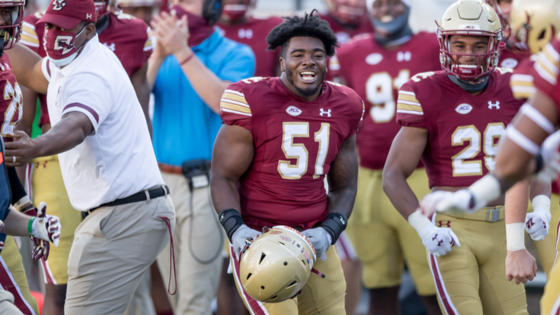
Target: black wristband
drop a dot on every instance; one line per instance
(540, 163)
(335, 224)
(231, 220)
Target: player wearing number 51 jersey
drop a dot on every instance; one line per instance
(376, 69)
(453, 121)
(281, 137)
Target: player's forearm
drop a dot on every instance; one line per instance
(207, 85)
(224, 194)
(399, 192)
(72, 130)
(343, 179)
(517, 201)
(16, 223)
(26, 66)
(141, 87)
(154, 63)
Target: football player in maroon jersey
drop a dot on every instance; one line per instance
(131, 41)
(142, 9)
(239, 25)
(453, 120)
(376, 66)
(280, 138)
(347, 18)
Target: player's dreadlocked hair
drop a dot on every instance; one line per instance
(311, 25)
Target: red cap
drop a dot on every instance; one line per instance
(69, 13)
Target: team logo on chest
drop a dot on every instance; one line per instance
(494, 105)
(464, 109)
(294, 111)
(323, 112)
(59, 4)
(374, 59)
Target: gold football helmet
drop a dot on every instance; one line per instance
(470, 18)
(276, 266)
(534, 23)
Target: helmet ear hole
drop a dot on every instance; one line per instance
(291, 284)
(249, 276)
(541, 35)
(263, 255)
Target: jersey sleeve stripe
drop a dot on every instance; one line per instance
(225, 100)
(544, 73)
(403, 111)
(28, 27)
(234, 97)
(235, 92)
(29, 41)
(409, 103)
(414, 108)
(235, 112)
(552, 53)
(407, 93)
(235, 107)
(408, 98)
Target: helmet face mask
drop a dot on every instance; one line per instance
(103, 7)
(534, 24)
(276, 266)
(11, 34)
(469, 18)
(348, 12)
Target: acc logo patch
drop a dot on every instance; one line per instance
(464, 109)
(374, 59)
(508, 63)
(294, 111)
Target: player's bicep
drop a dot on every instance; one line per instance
(406, 151)
(344, 168)
(233, 152)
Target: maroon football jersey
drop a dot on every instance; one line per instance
(253, 33)
(376, 74)
(464, 129)
(11, 104)
(128, 37)
(295, 143)
(509, 59)
(343, 33)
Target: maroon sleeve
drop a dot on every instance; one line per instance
(545, 71)
(409, 111)
(234, 108)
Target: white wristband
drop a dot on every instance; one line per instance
(515, 236)
(485, 190)
(540, 203)
(420, 223)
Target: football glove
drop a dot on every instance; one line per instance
(440, 201)
(537, 224)
(438, 241)
(320, 239)
(46, 227)
(242, 238)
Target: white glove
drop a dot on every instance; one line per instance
(551, 157)
(438, 241)
(242, 238)
(46, 227)
(320, 239)
(444, 200)
(537, 223)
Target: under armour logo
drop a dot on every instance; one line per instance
(493, 106)
(447, 224)
(111, 46)
(88, 16)
(59, 4)
(243, 33)
(323, 112)
(434, 238)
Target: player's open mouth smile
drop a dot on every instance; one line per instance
(308, 76)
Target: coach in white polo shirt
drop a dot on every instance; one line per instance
(108, 164)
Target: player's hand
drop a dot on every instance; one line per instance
(171, 32)
(440, 201)
(242, 238)
(439, 241)
(41, 247)
(20, 151)
(551, 157)
(537, 224)
(46, 227)
(520, 266)
(320, 239)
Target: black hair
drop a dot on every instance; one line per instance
(310, 25)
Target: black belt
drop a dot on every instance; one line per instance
(140, 196)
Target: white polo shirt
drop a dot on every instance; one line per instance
(117, 160)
